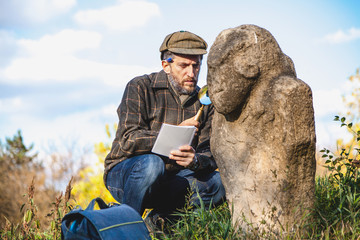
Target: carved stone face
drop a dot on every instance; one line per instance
(238, 59)
(232, 69)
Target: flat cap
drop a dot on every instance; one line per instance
(184, 42)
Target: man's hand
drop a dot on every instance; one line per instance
(190, 122)
(184, 156)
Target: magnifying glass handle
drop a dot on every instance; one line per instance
(199, 113)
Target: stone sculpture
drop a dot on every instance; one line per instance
(263, 133)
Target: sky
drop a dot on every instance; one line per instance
(64, 63)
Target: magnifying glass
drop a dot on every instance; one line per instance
(204, 99)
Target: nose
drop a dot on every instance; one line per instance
(191, 71)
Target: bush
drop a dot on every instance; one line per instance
(18, 168)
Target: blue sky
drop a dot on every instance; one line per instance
(64, 63)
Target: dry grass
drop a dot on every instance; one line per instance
(13, 186)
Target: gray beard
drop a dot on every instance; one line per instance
(177, 86)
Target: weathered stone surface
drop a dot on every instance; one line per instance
(263, 134)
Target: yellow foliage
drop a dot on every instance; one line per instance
(353, 144)
(352, 101)
(352, 104)
(91, 184)
(349, 150)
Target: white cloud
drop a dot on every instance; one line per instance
(87, 127)
(78, 132)
(341, 36)
(34, 11)
(327, 132)
(53, 57)
(84, 127)
(327, 102)
(7, 47)
(124, 16)
(65, 42)
(9, 105)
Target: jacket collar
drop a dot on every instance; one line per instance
(161, 80)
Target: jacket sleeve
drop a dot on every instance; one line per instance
(133, 136)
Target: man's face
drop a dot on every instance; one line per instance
(183, 72)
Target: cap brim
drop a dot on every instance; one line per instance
(188, 51)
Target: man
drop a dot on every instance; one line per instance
(141, 179)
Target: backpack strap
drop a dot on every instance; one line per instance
(99, 201)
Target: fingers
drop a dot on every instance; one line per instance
(187, 148)
(180, 156)
(190, 122)
(183, 156)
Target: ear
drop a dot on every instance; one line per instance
(166, 66)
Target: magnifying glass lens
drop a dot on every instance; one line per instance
(203, 96)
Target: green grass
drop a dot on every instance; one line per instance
(336, 215)
(202, 223)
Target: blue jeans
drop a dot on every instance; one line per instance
(142, 182)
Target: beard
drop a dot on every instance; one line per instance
(180, 89)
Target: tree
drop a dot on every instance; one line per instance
(348, 151)
(91, 184)
(14, 153)
(352, 115)
(352, 101)
(18, 166)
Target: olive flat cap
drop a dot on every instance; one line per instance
(184, 42)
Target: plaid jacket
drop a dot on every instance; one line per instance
(149, 101)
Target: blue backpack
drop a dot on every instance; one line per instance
(110, 222)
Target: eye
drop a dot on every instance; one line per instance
(196, 65)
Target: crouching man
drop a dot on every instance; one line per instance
(141, 179)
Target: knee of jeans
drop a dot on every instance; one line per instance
(219, 190)
(218, 183)
(152, 167)
(117, 193)
(214, 188)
